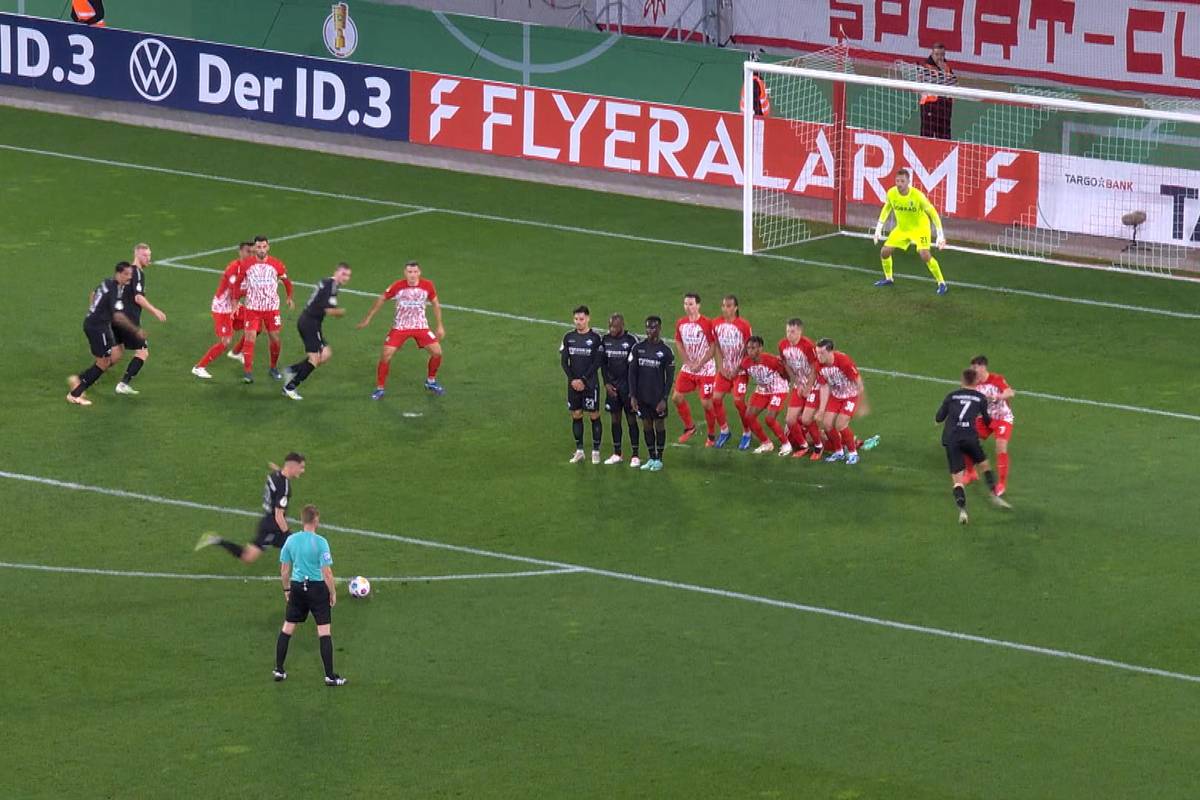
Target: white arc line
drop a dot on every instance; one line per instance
(649, 581)
(594, 232)
(191, 576)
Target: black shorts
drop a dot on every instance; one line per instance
(648, 409)
(268, 534)
(101, 340)
(128, 339)
(619, 403)
(958, 452)
(311, 334)
(308, 597)
(587, 400)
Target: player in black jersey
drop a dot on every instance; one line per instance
(273, 527)
(957, 414)
(581, 356)
(107, 309)
(321, 303)
(135, 302)
(651, 373)
(617, 344)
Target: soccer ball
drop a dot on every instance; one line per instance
(360, 587)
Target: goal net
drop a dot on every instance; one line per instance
(1028, 172)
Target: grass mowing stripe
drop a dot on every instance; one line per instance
(171, 262)
(190, 576)
(562, 567)
(596, 232)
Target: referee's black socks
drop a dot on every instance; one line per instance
(281, 648)
(234, 549)
(960, 497)
(327, 654)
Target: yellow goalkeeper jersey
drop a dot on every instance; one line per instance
(913, 210)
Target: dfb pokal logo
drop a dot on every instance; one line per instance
(152, 70)
(339, 32)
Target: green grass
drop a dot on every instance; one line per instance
(576, 684)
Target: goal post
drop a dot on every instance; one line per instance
(1034, 173)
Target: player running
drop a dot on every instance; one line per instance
(913, 214)
(732, 333)
(225, 309)
(651, 371)
(694, 350)
(263, 274)
(959, 413)
(581, 356)
(800, 355)
(273, 527)
(107, 309)
(411, 295)
(993, 386)
(840, 389)
(770, 377)
(617, 345)
(135, 301)
(321, 303)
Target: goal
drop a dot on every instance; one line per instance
(1035, 173)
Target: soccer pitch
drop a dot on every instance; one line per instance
(733, 626)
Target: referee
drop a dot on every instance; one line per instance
(957, 414)
(305, 567)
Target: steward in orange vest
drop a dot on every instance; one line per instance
(89, 12)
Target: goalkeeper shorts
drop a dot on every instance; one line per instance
(902, 239)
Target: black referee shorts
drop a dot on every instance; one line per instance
(311, 334)
(958, 452)
(101, 340)
(308, 597)
(268, 534)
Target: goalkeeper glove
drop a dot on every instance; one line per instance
(878, 232)
(941, 240)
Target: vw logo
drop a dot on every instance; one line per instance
(152, 70)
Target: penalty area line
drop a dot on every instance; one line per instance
(561, 567)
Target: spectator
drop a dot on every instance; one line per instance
(935, 110)
(89, 12)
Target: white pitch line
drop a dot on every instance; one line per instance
(172, 263)
(232, 248)
(596, 232)
(649, 581)
(190, 576)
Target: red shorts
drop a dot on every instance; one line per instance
(260, 321)
(1002, 429)
(736, 387)
(686, 383)
(239, 318)
(774, 402)
(222, 324)
(796, 401)
(423, 336)
(838, 406)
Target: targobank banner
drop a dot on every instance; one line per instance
(202, 76)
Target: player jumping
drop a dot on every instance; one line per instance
(840, 389)
(651, 371)
(959, 413)
(263, 274)
(731, 332)
(913, 214)
(769, 374)
(993, 386)
(581, 356)
(617, 344)
(135, 301)
(411, 294)
(800, 355)
(106, 308)
(224, 309)
(323, 302)
(694, 347)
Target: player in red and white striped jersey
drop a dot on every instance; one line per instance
(261, 277)
(995, 388)
(411, 294)
(800, 355)
(770, 377)
(732, 333)
(224, 309)
(841, 390)
(698, 373)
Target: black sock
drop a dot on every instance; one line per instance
(234, 549)
(86, 379)
(597, 434)
(648, 430)
(960, 497)
(633, 433)
(660, 437)
(990, 477)
(616, 433)
(327, 654)
(300, 371)
(577, 429)
(281, 647)
(135, 366)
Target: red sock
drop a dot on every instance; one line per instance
(740, 405)
(777, 429)
(1002, 466)
(814, 434)
(434, 363)
(381, 374)
(970, 465)
(752, 424)
(710, 421)
(275, 348)
(719, 413)
(212, 353)
(835, 440)
(241, 343)
(849, 440)
(248, 354)
(796, 435)
(685, 414)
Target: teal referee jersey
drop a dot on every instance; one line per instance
(307, 552)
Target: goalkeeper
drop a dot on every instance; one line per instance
(914, 213)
